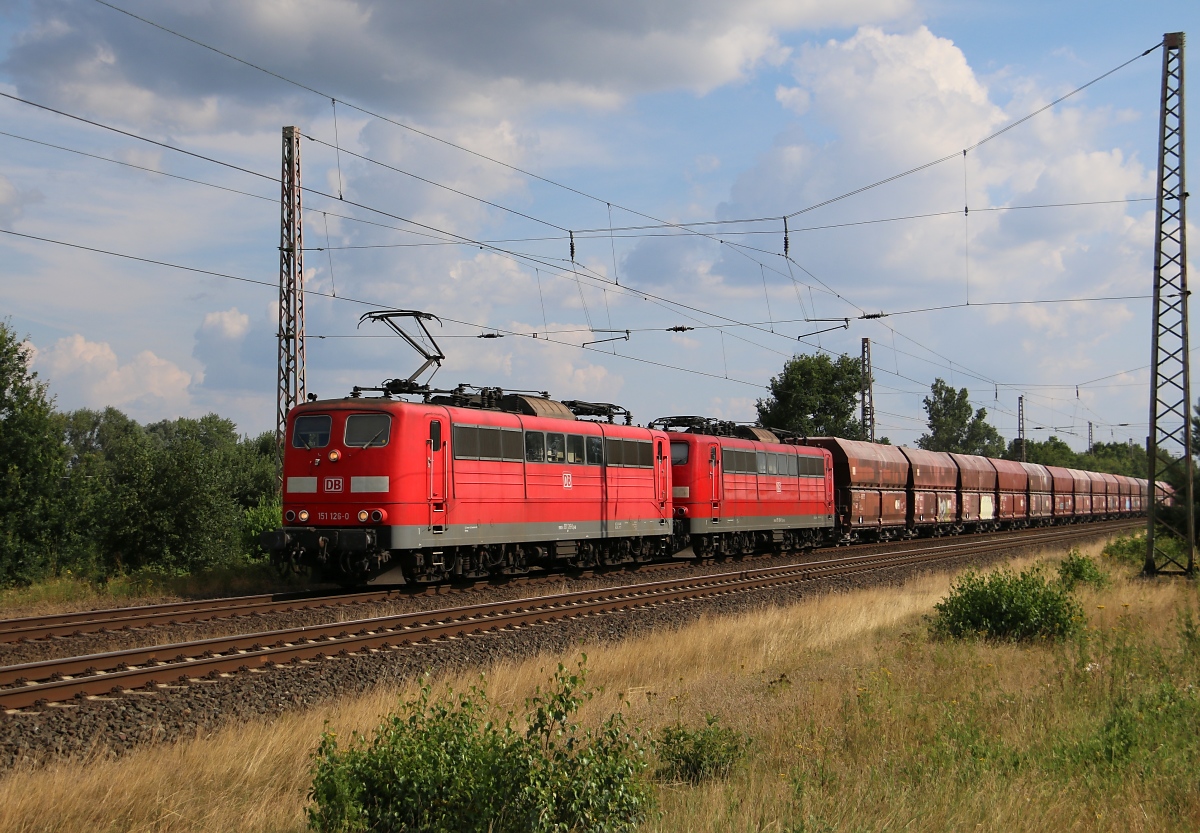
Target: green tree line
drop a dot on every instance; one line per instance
(98, 494)
(817, 396)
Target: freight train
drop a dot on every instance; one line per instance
(468, 485)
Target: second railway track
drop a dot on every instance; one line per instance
(158, 667)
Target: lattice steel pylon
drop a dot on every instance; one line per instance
(1170, 384)
(291, 292)
(868, 392)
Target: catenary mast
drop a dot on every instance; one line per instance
(291, 292)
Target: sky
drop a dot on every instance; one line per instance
(469, 142)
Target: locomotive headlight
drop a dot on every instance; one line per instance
(335, 455)
(363, 515)
(378, 515)
(303, 515)
(289, 516)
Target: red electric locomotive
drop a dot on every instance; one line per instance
(738, 489)
(383, 490)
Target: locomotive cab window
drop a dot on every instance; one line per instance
(679, 454)
(535, 447)
(370, 430)
(312, 431)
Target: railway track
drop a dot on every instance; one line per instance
(174, 613)
(164, 667)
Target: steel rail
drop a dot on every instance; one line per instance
(149, 667)
(120, 618)
(205, 610)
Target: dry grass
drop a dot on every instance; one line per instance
(836, 692)
(67, 594)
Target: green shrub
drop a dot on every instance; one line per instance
(444, 766)
(1078, 569)
(697, 755)
(1127, 549)
(267, 516)
(1005, 605)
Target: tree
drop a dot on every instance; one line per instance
(815, 396)
(1051, 452)
(953, 428)
(32, 464)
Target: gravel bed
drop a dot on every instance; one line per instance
(38, 650)
(117, 724)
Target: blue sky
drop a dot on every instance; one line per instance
(684, 112)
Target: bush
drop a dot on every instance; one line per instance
(1078, 569)
(444, 766)
(1127, 549)
(1004, 605)
(700, 754)
(267, 516)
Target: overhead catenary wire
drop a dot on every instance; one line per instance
(977, 144)
(274, 286)
(862, 189)
(598, 199)
(436, 184)
(515, 168)
(473, 325)
(458, 239)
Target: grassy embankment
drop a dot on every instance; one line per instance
(69, 593)
(858, 720)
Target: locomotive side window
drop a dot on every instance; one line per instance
(679, 454)
(510, 445)
(729, 460)
(466, 442)
(613, 452)
(489, 444)
(575, 449)
(371, 430)
(435, 434)
(772, 464)
(812, 466)
(793, 465)
(595, 451)
(311, 431)
(645, 454)
(762, 462)
(535, 447)
(556, 448)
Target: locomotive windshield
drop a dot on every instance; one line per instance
(679, 454)
(368, 430)
(311, 431)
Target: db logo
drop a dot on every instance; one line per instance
(566, 479)
(333, 484)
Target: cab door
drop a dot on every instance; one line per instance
(715, 478)
(435, 454)
(661, 475)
